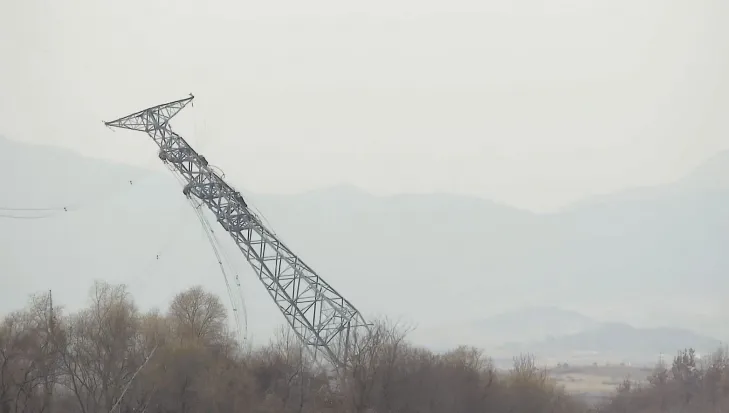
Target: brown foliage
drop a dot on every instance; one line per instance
(29, 363)
(109, 356)
(198, 315)
(689, 385)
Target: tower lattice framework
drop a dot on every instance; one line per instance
(321, 317)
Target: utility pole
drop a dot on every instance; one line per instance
(50, 364)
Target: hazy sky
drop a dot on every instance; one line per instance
(531, 102)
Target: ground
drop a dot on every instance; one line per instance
(597, 382)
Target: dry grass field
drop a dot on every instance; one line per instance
(597, 380)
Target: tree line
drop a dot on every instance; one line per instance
(112, 357)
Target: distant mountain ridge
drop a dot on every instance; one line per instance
(561, 340)
(554, 333)
(431, 259)
(614, 341)
(537, 322)
(710, 176)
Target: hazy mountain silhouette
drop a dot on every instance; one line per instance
(440, 261)
(537, 322)
(528, 324)
(617, 341)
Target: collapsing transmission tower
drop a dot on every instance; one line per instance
(322, 319)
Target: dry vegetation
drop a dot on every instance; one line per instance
(688, 385)
(597, 380)
(111, 357)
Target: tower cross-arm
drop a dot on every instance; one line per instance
(156, 116)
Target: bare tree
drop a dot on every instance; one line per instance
(286, 374)
(685, 372)
(101, 352)
(104, 351)
(368, 379)
(198, 314)
(28, 358)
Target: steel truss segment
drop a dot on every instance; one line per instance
(321, 318)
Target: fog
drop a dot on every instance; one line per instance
(544, 177)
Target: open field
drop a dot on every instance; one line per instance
(597, 382)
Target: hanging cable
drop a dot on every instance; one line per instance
(33, 209)
(239, 288)
(75, 207)
(242, 332)
(208, 233)
(212, 240)
(232, 269)
(10, 216)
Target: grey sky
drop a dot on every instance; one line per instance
(531, 102)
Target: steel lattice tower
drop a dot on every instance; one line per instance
(322, 319)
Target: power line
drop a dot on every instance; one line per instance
(223, 260)
(210, 234)
(73, 207)
(33, 209)
(143, 172)
(231, 267)
(9, 216)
